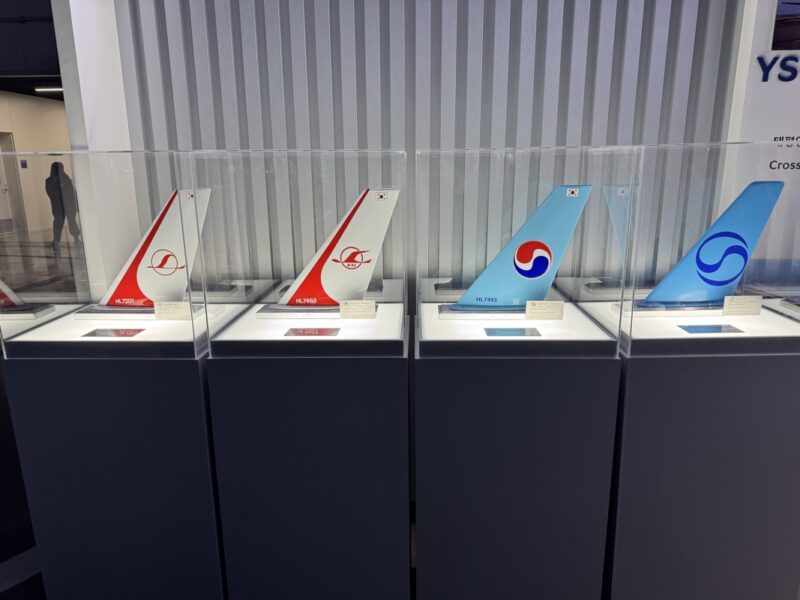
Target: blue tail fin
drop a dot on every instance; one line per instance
(618, 199)
(525, 267)
(713, 267)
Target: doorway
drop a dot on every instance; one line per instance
(12, 211)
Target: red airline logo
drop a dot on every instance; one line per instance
(164, 262)
(351, 258)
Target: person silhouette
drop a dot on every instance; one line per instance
(64, 204)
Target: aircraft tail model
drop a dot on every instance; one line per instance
(525, 267)
(712, 268)
(342, 268)
(8, 299)
(159, 266)
(14, 307)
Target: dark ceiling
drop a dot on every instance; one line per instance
(28, 54)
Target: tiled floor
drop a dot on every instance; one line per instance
(30, 263)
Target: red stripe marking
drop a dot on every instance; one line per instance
(310, 290)
(5, 300)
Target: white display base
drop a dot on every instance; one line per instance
(69, 329)
(54, 298)
(580, 289)
(40, 311)
(268, 312)
(771, 291)
(480, 315)
(387, 325)
(238, 291)
(667, 324)
(429, 294)
(122, 314)
(11, 327)
(784, 308)
(391, 293)
(658, 313)
(574, 326)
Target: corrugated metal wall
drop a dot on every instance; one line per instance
(417, 74)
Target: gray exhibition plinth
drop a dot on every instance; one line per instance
(514, 447)
(708, 462)
(311, 440)
(113, 442)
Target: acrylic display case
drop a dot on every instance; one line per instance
(308, 374)
(98, 254)
(710, 425)
(292, 234)
(713, 264)
(511, 244)
(515, 383)
(104, 330)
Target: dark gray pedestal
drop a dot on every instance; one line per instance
(312, 463)
(116, 463)
(709, 485)
(513, 464)
(16, 534)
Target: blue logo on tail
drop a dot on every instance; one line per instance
(532, 259)
(722, 270)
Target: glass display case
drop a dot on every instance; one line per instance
(97, 254)
(711, 345)
(713, 262)
(305, 262)
(304, 251)
(513, 245)
(515, 383)
(104, 334)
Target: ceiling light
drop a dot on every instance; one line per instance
(48, 90)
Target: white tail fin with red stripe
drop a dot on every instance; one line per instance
(7, 296)
(158, 269)
(341, 269)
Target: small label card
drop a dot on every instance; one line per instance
(357, 309)
(173, 311)
(742, 305)
(705, 329)
(312, 332)
(544, 310)
(114, 333)
(512, 332)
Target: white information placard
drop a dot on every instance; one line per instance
(173, 311)
(544, 310)
(357, 309)
(741, 305)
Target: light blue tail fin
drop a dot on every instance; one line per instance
(713, 267)
(618, 199)
(525, 267)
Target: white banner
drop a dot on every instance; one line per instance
(766, 108)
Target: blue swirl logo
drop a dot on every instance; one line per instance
(719, 273)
